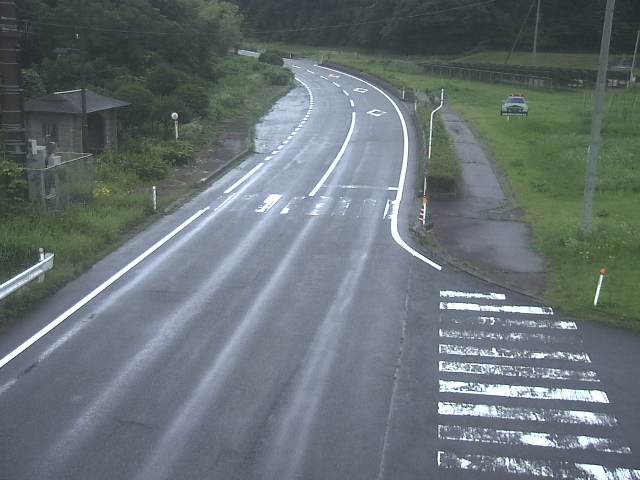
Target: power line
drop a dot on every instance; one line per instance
(373, 22)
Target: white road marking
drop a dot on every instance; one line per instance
(323, 77)
(290, 137)
(518, 371)
(402, 178)
(280, 147)
(474, 307)
(345, 92)
(226, 201)
(507, 336)
(515, 322)
(244, 178)
(351, 103)
(495, 352)
(311, 72)
(487, 296)
(268, 158)
(368, 208)
(333, 75)
(275, 152)
(342, 207)
(336, 84)
(298, 128)
(320, 207)
(336, 160)
(527, 414)
(360, 90)
(534, 468)
(295, 66)
(268, 203)
(290, 205)
(530, 439)
(523, 391)
(110, 281)
(386, 209)
(376, 112)
(367, 187)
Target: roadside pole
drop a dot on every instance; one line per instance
(596, 123)
(633, 61)
(535, 36)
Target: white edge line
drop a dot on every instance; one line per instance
(351, 102)
(110, 281)
(403, 174)
(337, 159)
(245, 177)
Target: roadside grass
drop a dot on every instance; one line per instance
(80, 236)
(544, 159)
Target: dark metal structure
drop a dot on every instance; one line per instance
(11, 101)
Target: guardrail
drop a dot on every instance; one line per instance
(37, 271)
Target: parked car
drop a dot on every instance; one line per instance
(515, 105)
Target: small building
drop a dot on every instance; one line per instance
(57, 118)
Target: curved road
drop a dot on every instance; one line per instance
(278, 327)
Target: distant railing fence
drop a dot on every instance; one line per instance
(464, 73)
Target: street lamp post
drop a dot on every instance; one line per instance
(174, 117)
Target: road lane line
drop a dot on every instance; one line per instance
(474, 307)
(531, 439)
(386, 209)
(320, 207)
(506, 336)
(346, 93)
(514, 322)
(403, 175)
(542, 415)
(337, 159)
(110, 281)
(246, 177)
(534, 468)
(495, 352)
(290, 205)
(268, 203)
(485, 296)
(518, 371)
(323, 77)
(351, 103)
(336, 84)
(523, 391)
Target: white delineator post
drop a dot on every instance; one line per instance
(603, 274)
(155, 198)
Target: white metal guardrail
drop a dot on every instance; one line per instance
(37, 271)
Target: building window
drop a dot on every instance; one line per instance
(49, 132)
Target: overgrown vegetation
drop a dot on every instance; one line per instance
(544, 159)
(188, 72)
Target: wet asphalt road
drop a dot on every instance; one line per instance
(284, 333)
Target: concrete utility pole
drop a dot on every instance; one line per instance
(633, 62)
(83, 80)
(535, 36)
(596, 121)
(11, 103)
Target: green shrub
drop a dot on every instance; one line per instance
(271, 57)
(278, 76)
(141, 100)
(164, 80)
(176, 153)
(195, 97)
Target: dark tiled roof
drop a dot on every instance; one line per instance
(71, 103)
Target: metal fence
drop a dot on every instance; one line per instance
(68, 178)
(464, 73)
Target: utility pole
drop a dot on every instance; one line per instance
(11, 102)
(633, 62)
(596, 121)
(83, 80)
(535, 36)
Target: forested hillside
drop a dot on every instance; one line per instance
(440, 26)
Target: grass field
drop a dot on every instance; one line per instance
(544, 158)
(587, 61)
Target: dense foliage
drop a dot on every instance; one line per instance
(440, 26)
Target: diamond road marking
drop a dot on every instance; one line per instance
(376, 112)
